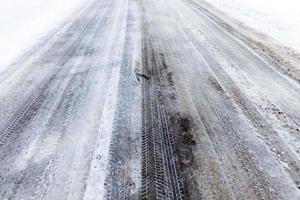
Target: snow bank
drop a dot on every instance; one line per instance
(279, 19)
(23, 23)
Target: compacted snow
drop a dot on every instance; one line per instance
(142, 99)
(22, 23)
(279, 19)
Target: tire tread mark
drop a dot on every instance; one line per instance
(160, 179)
(37, 96)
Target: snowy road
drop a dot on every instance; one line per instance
(147, 100)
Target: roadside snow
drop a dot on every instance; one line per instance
(23, 23)
(279, 19)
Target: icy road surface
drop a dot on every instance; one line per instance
(135, 99)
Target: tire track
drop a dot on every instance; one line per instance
(160, 179)
(263, 128)
(212, 113)
(254, 65)
(69, 100)
(20, 117)
(117, 177)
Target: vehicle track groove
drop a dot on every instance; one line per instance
(160, 179)
(20, 116)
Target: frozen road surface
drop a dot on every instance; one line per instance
(156, 99)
